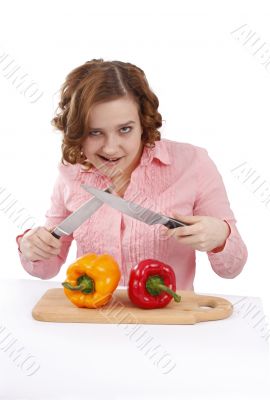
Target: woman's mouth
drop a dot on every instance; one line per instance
(110, 161)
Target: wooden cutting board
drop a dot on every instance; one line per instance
(54, 306)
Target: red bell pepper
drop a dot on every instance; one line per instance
(152, 284)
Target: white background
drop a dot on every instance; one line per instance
(213, 92)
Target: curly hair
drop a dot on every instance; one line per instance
(98, 81)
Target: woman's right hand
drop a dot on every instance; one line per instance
(39, 244)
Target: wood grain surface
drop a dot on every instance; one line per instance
(54, 306)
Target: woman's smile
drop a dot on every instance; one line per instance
(110, 162)
(109, 158)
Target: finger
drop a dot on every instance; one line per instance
(44, 253)
(48, 238)
(40, 247)
(189, 240)
(39, 255)
(39, 243)
(189, 219)
(185, 230)
(194, 242)
(45, 235)
(37, 249)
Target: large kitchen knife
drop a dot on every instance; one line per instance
(134, 210)
(74, 220)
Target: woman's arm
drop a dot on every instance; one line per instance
(230, 261)
(212, 200)
(46, 269)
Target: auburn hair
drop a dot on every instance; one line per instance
(98, 81)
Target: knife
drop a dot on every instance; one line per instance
(134, 210)
(74, 220)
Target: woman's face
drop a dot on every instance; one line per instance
(114, 132)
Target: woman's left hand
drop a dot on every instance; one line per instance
(203, 233)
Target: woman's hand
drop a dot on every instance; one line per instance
(203, 233)
(39, 244)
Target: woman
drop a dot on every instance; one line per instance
(109, 120)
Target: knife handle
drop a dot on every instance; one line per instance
(174, 223)
(55, 235)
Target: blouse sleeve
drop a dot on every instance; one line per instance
(46, 269)
(212, 200)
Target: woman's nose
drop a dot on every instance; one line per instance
(110, 146)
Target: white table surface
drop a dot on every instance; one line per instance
(224, 359)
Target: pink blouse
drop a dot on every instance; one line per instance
(171, 177)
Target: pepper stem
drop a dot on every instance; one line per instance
(155, 285)
(84, 283)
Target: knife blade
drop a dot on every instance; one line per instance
(74, 220)
(134, 210)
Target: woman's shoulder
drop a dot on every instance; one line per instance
(179, 151)
(69, 172)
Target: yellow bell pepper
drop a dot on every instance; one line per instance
(91, 280)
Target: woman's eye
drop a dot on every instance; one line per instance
(96, 133)
(93, 133)
(127, 127)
